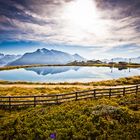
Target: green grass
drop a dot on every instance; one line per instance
(114, 119)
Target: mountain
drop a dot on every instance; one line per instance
(1, 55)
(78, 58)
(45, 56)
(119, 59)
(5, 59)
(135, 60)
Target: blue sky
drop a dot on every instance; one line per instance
(93, 28)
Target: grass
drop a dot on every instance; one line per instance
(60, 87)
(24, 66)
(117, 118)
(76, 120)
(109, 65)
(115, 82)
(12, 91)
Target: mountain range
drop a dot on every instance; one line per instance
(133, 60)
(119, 59)
(45, 56)
(5, 59)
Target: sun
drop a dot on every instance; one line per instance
(82, 15)
(82, 22)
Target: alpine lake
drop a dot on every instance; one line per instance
(57, 74)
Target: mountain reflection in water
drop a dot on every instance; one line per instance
(51, 70)
(66, 74)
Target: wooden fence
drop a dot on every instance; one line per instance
(17, 101)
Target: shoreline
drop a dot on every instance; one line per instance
(83, 65)
(114, 82)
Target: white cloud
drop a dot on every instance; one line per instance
(67, 22)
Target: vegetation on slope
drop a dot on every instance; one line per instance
(98, 119)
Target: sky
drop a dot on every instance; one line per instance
(92, 28)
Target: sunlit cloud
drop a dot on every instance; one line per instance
(101, 23)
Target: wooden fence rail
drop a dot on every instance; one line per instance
(16, 101)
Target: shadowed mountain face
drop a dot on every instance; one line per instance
(5, 59)
(1, 55)
(45, 56)
(51, 70)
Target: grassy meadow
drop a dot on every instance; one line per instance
(114, 119)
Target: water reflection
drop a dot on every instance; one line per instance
(66, 74)
(51, 70)
(121, 69)
(57, 70)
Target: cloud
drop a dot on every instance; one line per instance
(117, 23)
(132, 50)
(120, 8)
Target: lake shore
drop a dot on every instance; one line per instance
(114, 82)
(84, 65)
(27, 88)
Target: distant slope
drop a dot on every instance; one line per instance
(45, 56)
(119, 59)
(78, 58)
(5, 59)
(1, 55)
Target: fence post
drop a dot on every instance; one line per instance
(109, 93)
(57, 99)
(76, 96)
(9, 103)
(34, 101)
(94, 93)
(137, 89)
(124, 91)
